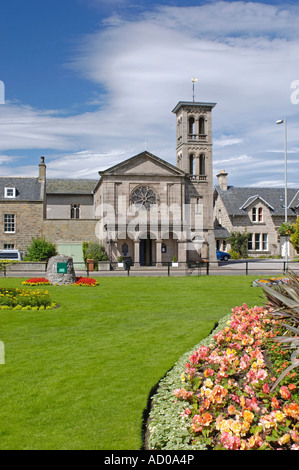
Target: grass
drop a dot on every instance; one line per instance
(78, 377)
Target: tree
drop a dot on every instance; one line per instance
(239, 243)
(40, 250)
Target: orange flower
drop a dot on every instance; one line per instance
(248, 416)
(292, 387)
(231, 410)
(292, 410)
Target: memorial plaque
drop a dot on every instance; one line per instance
(62, 268)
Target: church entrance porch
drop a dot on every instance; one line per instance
(146, 252)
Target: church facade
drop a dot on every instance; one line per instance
(143, 209)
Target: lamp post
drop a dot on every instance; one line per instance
(284, 121)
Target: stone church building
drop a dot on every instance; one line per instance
(144, 208)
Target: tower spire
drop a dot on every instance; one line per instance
(193, 80)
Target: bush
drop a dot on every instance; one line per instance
(234, 254)
(40, 250)
(94, 251)
(239, 243)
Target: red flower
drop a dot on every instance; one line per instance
(86, 281)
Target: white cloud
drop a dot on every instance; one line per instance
(245, 56)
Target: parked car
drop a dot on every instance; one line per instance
(11, 255)
(222, 255)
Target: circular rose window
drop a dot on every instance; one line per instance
(144, 196)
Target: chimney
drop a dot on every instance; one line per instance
(42, 170)
(222, 180)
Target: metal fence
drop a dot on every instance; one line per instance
(202, 268)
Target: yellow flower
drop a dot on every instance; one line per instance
(279, 416)
(248, 416)
(208, 383)
(183, 377)
(236, 427)
(284, 439)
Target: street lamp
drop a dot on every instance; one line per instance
(281, 121)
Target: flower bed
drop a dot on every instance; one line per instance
(25, 299)
(271, 281)
(86, 281)
(36, 281)
(221, 395)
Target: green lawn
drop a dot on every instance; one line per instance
(78, 377)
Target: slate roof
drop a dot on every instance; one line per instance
(70, 186)
(27, 189)
(234, 198)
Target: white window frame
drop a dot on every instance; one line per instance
(258, 242)
(9, 192)
(257, 214)
(9, 223)
(265, 242)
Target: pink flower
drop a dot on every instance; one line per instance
(285, 393)
(266, 388)
(230, 442)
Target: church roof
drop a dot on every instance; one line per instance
(120, 167)
(70, 186)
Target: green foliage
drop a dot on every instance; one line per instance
(234, 254)
(295, 235)
(60, 374)
(284, 299)
(21, 299)
(239, 243)
(94, 251)
(40, 250)
(6, 264)
(286, 229)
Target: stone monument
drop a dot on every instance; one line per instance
(60, 270)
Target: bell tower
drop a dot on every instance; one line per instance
(194, 157)
(194, 139)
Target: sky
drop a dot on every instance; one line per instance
(90, 83)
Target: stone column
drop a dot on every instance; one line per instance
(182, 251)
(136, 252)
(158, 253)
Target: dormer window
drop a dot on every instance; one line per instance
(10, 192)
(257, 214)
(260, 214)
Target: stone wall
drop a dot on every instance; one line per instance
(70, 230)
(28, 223)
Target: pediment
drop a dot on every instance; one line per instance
(143, 164)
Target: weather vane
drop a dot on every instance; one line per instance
(193, 80)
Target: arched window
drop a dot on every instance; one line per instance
(75, 211)
(202, 164)
(201, 126)
(191, 164)
(191, 126)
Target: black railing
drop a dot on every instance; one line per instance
(203, 267)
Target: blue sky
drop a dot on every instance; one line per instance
(89, 83)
